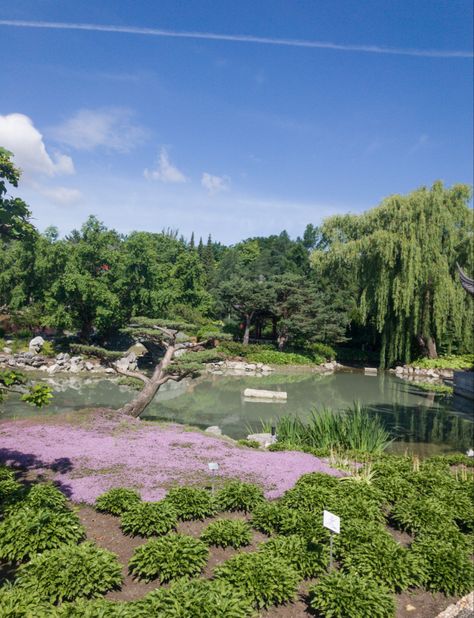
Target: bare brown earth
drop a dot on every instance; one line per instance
(105, 531)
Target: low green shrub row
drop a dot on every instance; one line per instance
(450, 361)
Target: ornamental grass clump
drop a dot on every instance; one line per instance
(307, 558)
(446, 564)
(264, 579)
(239, 496)
(169, 557)
(70, 572)
(27, 531)
(117, 501)
(198, 598)
(191, 502)
(149, 518)
(340, 595)
(227, 533)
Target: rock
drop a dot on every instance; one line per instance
(263, 394)
(370, 371)
(43, 367)
(214, 430)
(138, 349)
(75, 368)
(7, 350)
(264, 439)
(410, 608)
(399, 369)
(109, 370)
(89, 366)
(36, 344)
(250, 367)
(53, 368)
(267, 368)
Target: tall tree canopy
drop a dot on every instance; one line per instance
(403, 255)
(14, 213)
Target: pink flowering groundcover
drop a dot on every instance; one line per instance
(107, 452)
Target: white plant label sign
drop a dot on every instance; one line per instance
(213, 466)
(331, 521)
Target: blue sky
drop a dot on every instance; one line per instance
(230, 137)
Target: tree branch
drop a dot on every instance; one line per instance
(131, 374)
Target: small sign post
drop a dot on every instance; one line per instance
(213, 467)
(333, 524)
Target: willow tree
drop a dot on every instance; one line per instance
(183, 356)
(403, 256)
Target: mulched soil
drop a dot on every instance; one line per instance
(105, 531)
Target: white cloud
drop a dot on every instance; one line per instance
(215, 184)
(60, 195)
(165, 171)
(20, 136)
(111, 128)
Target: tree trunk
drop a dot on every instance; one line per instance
(282, 339)
(427, 346)
(145, 396)
(248, 320)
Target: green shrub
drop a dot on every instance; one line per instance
(96, 608)
(442, 389)
(11, 493)
(16, 603)
(453, 361)
(191, 502)
(249, 443)
(385, 561)
(198, 598)
(6, 473)
(266, 517)
(149, 518)
(307, 558)
(420, 513)
(282, 358)
(265, 580)
(340, 595)
(239, 496)
(322, 349)
(446, 564)
(117, 501)
(227, 533)
(27, 531)
(45, 496)
(234, 348)
(70, 572)
(169, 557)
(47, 349)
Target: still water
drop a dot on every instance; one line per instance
(423, 422)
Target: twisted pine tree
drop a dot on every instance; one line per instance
(184, 356)
(403, 255)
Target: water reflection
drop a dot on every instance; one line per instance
(417, 418)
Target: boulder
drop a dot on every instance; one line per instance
(53, 368)
(214, 430)
(7, 350)
(263, 394)
(264, 439)
(36, 344)
(138, 349)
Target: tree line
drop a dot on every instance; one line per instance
(385, 279)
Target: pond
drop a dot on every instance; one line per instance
(423, 423)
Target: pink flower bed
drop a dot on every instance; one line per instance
(87, 461)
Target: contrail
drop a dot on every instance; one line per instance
(239, 38)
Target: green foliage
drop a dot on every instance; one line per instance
(198, 598)
(45, 496)
(117, 501)
(264, 579)
(93, 351)
(306, 557)
(11, 492)
(446, 564)
(227, 533)
(322, 349)
(14, 213)
(443, 389)
(403, 256)
(38, 395)
(249, 443)
(266, 517)
(18, 603)
(234, 348)
(27, 531)
(191, 502)
(238, 496)
(283, 358)
(169, 557)
(47, 349)
(452, 361)
(340, 595)
(418, 513)
(355, 429)
(95, 608)
(133, 383)
(70, 572)
(149, 518)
